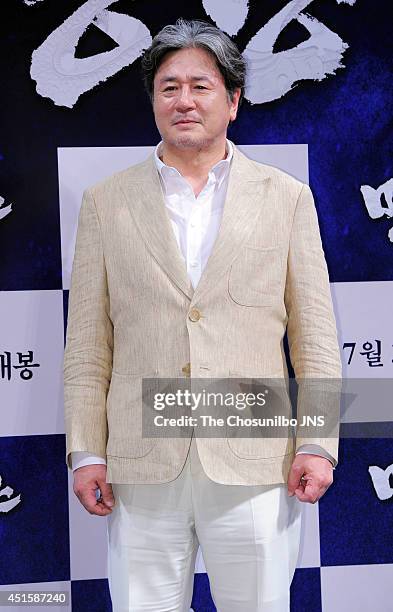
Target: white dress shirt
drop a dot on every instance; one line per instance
(195, 222)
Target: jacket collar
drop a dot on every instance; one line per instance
(247, 196)
(220, 169)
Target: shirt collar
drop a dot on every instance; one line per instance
(220, 169)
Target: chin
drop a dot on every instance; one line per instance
(188, 141)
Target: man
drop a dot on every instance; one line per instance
(194, 263)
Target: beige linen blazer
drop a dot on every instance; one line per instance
(132, 313)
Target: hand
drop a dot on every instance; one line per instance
(309, 477)
(87, 480)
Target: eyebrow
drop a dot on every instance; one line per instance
(170, 78)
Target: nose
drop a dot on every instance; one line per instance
(185, 100)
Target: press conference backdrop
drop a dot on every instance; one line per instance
(73, 110)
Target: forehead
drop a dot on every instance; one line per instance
(184, 63)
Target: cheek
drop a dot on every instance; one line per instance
(160, 114)
(217, 110)
(164, 109)
(221, 117)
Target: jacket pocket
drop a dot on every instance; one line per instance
(257, 448)
(125, 408)
(267, 403)
(256, 276)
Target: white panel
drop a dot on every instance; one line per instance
(88, 540)
(309, 554)
(356, 587)
(291, 158)
(32, 321)
(364, 314)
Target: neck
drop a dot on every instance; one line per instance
(195, 162)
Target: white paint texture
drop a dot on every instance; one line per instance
(229, 15)
(272, 75)
(379, 202)
(10, 502)
(373, 199)
(62, 77)
(5, 210)
(380, 480)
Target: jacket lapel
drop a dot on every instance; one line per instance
(247, 194)
(147, 206)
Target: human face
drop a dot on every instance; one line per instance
(190, 102)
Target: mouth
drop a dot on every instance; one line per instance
(182, 121)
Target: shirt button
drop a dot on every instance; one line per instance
(194, 315)
(194, 264)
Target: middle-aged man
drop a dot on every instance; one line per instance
(195, 262)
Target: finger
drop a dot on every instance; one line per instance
(88, 499)
(101, 509)
(107, 496)
(294, 476)
(97, 507)
(309, 492)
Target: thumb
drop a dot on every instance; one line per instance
(294, 476)
(107, 493)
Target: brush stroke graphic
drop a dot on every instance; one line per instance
(11, 502)
(62, 77)
(229, 16)
(4, 210)
(380, 480)
(272, 75)
(379, 202)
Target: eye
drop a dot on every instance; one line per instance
(169, 88)
(201, 87)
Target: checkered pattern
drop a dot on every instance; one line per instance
(49, 542)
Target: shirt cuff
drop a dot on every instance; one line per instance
(315, 449)
(82, 458)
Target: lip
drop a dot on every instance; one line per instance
(185, 121)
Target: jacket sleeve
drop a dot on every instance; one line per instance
(311, 328)
(89, 340)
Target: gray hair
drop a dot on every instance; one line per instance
(198, 34)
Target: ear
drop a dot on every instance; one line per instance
(234, 104)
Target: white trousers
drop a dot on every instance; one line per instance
(249, 538)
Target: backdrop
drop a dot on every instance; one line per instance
(73, 110)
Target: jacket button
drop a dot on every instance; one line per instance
(194, 314)
(186, 369)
